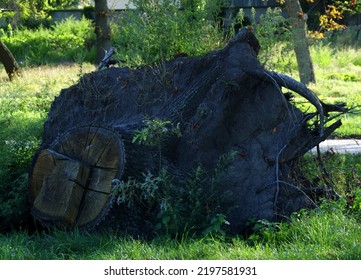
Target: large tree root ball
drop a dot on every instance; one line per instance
(223, 102)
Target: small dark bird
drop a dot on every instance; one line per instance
(107, 60)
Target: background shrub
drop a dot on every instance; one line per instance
(19, 138)
(24, 104)
(65, 41)
(154, 33)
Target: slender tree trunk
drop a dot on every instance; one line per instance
(102, 28)
(10, 64)
(299, 27)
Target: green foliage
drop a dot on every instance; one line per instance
(351, 7)
(14, 202)
(356, 204)
(63, 4)
(174, 207)
(348, 37)
(327, 231)
(216, 226)
(26, 13)
(24, 104)
(32, 13)
(153, 33)
(274, 35)
(343, 77)
(343, 172)
(20, 131)
(63, 42)
(155, 131)
(323, 234)
(337, 74)
(322, 55)
(264, 231)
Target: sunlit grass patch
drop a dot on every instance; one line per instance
(325, 233)
(24, 105)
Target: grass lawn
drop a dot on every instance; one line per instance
(338, 74)
(338, 79)
(321, 234)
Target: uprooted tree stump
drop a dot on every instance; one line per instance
(224, 101)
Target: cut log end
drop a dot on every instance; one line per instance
(70, 183)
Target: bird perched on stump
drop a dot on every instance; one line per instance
(107, 59)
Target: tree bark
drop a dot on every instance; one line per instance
(102, 29)
(301, 47)
(10, 64)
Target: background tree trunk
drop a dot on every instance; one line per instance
(10, 64)
(102, 29)
(299, 29)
